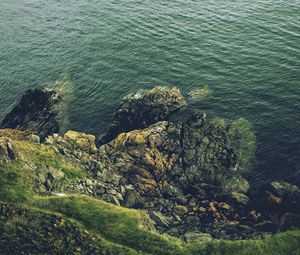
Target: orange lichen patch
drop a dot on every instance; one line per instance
(181, 209)
(273, 199)
(202, 209)
(232, 223)
(139, 138)
(253, 214)
(212, 207)
(224, 205)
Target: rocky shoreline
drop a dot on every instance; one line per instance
(188, 176)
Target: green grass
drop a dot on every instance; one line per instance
(45, 155)
(15, 181)
(29, 230)
(287, 243)
(127, 227)
(119, 225)
(17, 177)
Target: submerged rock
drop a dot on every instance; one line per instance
(144, 108)
(200, 93)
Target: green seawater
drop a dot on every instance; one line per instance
(246, 52)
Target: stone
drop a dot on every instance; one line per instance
(210, 163)
(11, 151)
(3, 150)
(35, 113)
(82, 141)
(284, 189)
(89, 182)
(143, 109)
(34, 138)
(133, 200)
(159, 219)
(239, 197)
(281, 196)
(236, 184)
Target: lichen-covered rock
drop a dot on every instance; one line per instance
(207, 156)
(144, 158)
(48, 179)
(236, 184)
(144, 108)
(85, 142)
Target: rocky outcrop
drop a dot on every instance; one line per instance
(35, 113)
(144, 108)
(187, 176)
(7, 150)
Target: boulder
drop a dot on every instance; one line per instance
(144, 108)
(236, 184)
(48, 179)
(36, 113)
(280, 195)
(133, 200)
(82, 141)
(7, 150)
(207, 155)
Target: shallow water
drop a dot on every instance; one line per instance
(247, 52)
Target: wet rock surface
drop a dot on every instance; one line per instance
(35, 113)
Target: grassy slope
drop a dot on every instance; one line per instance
(29, 230)
(16, 177)
(120, 230)
(120, 225)
(123, 226)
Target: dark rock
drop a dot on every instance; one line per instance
(35, 113)
(279, 196)
(207, 155)
(238, 197)
(7, 150)
(48, 179)
(236, 184)
(159, 219)
(133, 200)
(143, 109)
